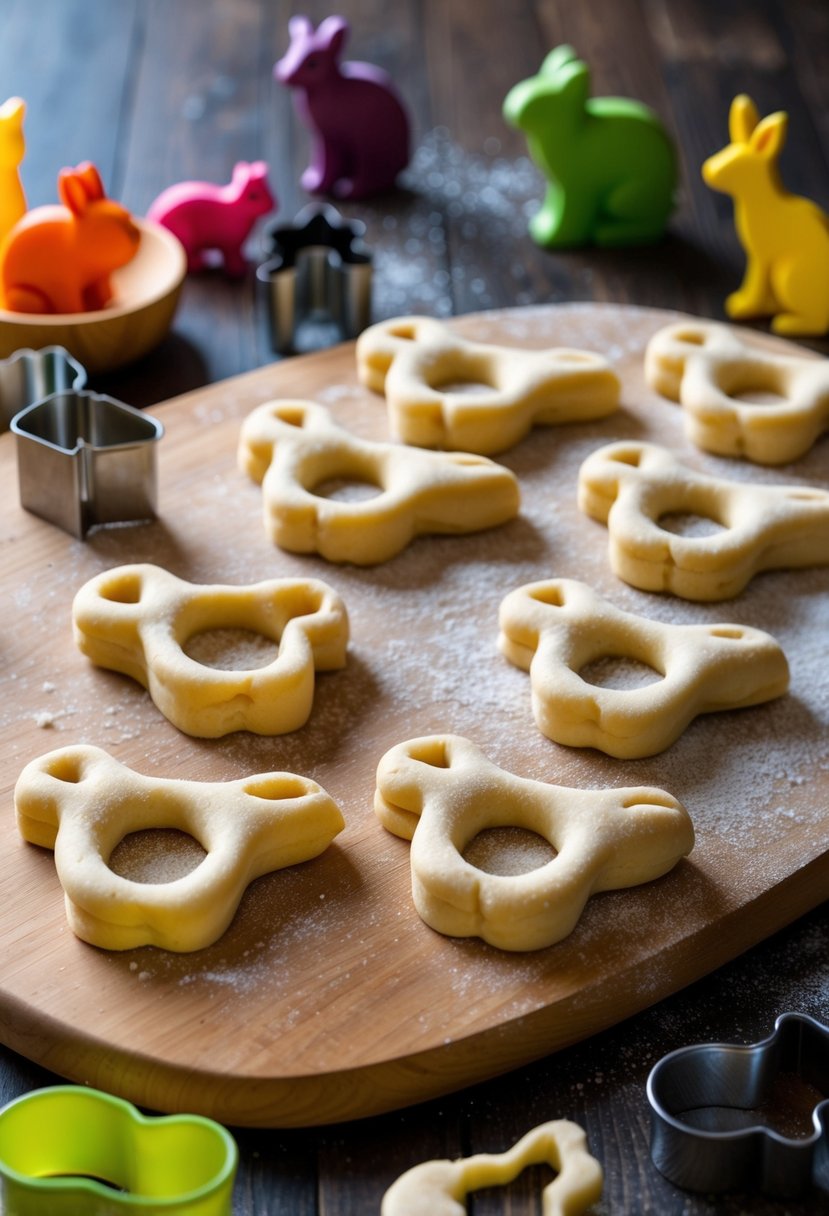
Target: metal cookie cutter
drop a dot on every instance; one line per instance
(704, 1132)
(28, 375)
(67, 1150)
(318, 270)
(85, 459)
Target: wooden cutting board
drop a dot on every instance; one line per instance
(328, 998)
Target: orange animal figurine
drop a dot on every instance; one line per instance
(58, 259)
(12, 151)
(786, 237)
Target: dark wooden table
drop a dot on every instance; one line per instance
(156, 91)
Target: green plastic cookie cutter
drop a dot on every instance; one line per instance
(72, 1151)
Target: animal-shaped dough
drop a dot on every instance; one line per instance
(441, 791)
(12, 151)
(554, 629)
(58, 259)
(358, 124)
(138, 619)
(81, 802)
(633, 486)
(444, 391)
(293, 447)
(785, 237)
(210, 219)
(609, 164)
(439, 1188)
(704, 366)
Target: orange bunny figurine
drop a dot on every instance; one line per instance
(786, 237)
(58, 259)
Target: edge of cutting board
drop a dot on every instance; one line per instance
(311, 1012)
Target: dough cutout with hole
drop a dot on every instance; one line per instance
(554, 629)
(81, 802)
(440, 1188)
(138, 619)
(445, 391)
(633, 486)
(294, 447)
(704, 366)
(441, 791)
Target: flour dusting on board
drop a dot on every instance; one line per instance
(423, 659)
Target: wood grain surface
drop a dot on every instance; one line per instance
(328, 999)
(154, 92)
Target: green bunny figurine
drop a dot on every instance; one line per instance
(609, 163)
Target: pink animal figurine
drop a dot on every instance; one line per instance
(359, 128)
(58, 259)
(216, 219)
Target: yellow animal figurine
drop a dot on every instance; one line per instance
(12, 151)
(786, 237)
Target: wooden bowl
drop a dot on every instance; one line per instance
(146, 293)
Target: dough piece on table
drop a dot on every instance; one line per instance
(441, 791)
(439, 1188)
(444, 391)
(81, 802)
(554, 629)
(295, 447)
(632, 486)
(137, 619)
(706, 367)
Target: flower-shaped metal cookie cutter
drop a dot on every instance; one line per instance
(29, 375)
(69, 1149)
(318, 269)
(705, 1133)
(84, 459)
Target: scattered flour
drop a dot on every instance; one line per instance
(423, 659)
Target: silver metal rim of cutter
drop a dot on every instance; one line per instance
(307, 279)
(714, 1076)
(83, 459)
(27, 376)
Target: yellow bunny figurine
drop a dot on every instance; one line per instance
(12, 151)
(786, 237)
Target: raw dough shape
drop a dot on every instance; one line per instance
(441, 791)
(703, 366)
(292, 447)
(439, 1188)
(432, 379)
(137, 619)
(81, 802)
(553, 629)
(631, 486)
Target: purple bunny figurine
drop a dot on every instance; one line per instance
(359, 127)
(208, 218)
